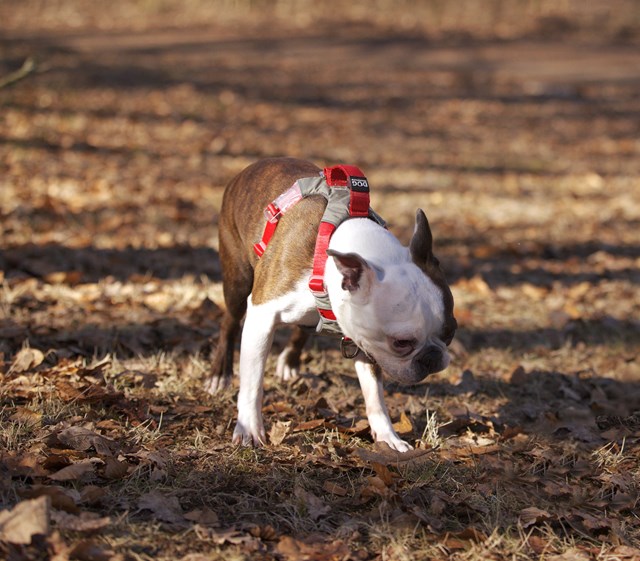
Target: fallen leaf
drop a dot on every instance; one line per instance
(89, 550)
(204, 516)
(404, 425)
(115, 469)
(538, 544)
(82, 439)
(72, 472)
(355, 427)
(572, 554)
(313, 505)
(83, 522)
(291, 548)
(376, 487)
(92, 494)
(309, 425)
(626, 552)
(384, 473)
(25, 520)
(61, 498)
(165, 507)
(26, 417)
(279, 431)
(533, 515)
(221, 537)
(460, 540)
(26, 359)
(335, 489)
(384, 454)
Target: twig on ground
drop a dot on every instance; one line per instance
(28, 66)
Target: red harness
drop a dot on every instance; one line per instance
(340, 177)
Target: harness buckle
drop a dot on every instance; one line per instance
(316, 285)
(272, 213)
(259, 248)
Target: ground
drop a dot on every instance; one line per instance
(514, 125)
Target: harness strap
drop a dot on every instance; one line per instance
(353, 178)
(272, 213)
(347, 192)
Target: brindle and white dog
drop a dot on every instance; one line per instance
(391, 300)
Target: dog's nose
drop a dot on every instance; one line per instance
(429, 359)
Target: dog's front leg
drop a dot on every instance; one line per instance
(257, 336)
(370, 378)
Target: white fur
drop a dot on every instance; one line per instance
(403, 304)
(396, 301)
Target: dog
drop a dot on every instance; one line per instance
(391, 301)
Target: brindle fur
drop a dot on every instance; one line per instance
(241, 225)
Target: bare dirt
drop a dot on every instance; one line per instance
(520, 138)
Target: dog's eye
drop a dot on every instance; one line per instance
(403, 346)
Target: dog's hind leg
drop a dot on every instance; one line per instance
(237, 283)
(288, 367)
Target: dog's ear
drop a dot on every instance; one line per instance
(421, 246)
(358, 275)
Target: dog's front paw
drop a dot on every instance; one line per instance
(249, 434)
(394, 441)
(216, 384)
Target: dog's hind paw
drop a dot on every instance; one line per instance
(216, 384)
(287, 368)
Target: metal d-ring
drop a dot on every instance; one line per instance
(348, 348)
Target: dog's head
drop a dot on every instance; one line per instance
(399, 313)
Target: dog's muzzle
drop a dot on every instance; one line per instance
(429, 360)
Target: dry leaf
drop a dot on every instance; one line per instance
(115, 469)
(221, 537)
(376, 487)
(384, 473)
(384, 454)
(297, 550)
(335, 489)
(26, 359)
(460, 540)
(358, 428)
(313, 505)
(82, 439)
(626, 552)
(310, 425)
(572, 554)
(279, 431)
(404, 425)
(25, 520)
(533, 515)
(204, 516)
(165, 507)
(92, 494)
(83, 522)
(26, 416)
(538, 544)
(74, 471)
(61, 498)
(88, 550)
